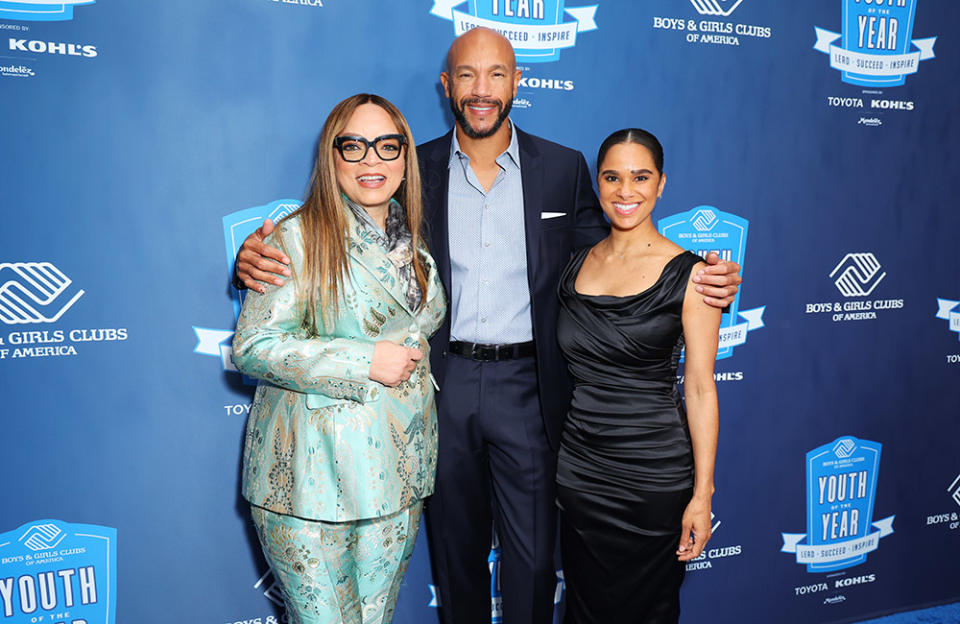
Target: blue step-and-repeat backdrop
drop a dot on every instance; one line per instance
(814, 142)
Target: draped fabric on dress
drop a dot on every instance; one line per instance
(625, 468)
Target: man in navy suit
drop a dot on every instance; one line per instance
(504, 210)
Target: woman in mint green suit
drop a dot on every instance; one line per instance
(341, 441)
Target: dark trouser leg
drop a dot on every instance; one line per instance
(523, 473)
(458, 513)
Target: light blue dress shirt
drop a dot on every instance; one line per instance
(490, 295)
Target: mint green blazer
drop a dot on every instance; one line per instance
(323, 441)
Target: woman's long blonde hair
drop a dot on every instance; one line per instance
(323, 218)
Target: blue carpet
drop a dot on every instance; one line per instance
(946, 614)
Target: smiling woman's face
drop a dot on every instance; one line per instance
(372, 181)
(629, 184)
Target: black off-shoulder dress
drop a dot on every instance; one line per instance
(625, 471)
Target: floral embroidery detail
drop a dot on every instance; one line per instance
(281, 477)
(373, 323)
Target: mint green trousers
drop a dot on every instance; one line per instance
(338, 572)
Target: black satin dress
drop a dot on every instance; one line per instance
(625, 472)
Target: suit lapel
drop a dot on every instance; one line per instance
(372, 257)
(531, 174)
(433, 309)
(436, 180)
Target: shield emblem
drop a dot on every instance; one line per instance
(493, 561)
(60, 567)
(40, 10)
(949, 310)
(877, 30)
(841, 486)
(523, 13)
(705, 229)
(536, 29)
(237, 226)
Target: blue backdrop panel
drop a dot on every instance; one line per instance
(144, 139)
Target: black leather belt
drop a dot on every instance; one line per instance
(493, 352)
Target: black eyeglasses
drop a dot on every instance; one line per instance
(355, 148)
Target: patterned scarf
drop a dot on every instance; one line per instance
(397, 242)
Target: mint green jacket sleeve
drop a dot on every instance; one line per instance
(269, 343)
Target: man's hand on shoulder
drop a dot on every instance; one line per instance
(719, 281)
(258, 262)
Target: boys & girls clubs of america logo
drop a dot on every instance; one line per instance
(537, 29)
(58, 572)
(706, 229)
(841, 489)
(40, 10)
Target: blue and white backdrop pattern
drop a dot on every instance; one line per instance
(143, 140)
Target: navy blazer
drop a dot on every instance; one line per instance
(555, 179)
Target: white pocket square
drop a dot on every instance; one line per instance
(552, 215)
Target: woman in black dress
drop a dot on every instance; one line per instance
(635, 473)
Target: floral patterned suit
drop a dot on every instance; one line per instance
(324, 442)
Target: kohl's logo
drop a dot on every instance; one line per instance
(555, 84)
(52, 47)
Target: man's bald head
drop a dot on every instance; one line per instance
(483, 41)
(481, 80)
